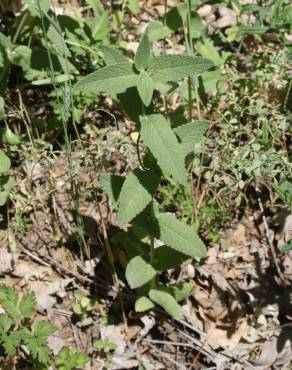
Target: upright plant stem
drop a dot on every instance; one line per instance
(189, 47)
(190, 51)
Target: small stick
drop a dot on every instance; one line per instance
(268, 235)
(179, 344)
(227, 353)
(60, 266)
(111, 261)
(168, 358)
(35, 258)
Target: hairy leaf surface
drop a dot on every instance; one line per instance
(142, 56)
(139, 272)
(114, 78)
(191, 133)
(163, 144)
(166, 301)
(136, 194)
(113, 55)
(179, 236)
(145, 86)
(112, 185)
(173, 67)
(174, 233)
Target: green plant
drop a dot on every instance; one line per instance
(106, 348)
(83, 307)
(167, 149)
(17, 330)
(284, 191)
(71, 359)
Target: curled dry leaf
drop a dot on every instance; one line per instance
(55, 343)
(149, 323)
(7, 260)
(46, 291)
(122, 358)
(227, 19)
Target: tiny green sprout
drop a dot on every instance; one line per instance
(69, 359)
(83, 307)
(105, 345)
(106, 348)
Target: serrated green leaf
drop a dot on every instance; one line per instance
(70, 358)
(157, 31)
(115, 78)
(9, 300)
(142, 56)
(58, 42)
(163, 144)
(11, 310)
(38, 348)
(5, 162)
(112, 186)
(143, 304)
(166, 258)
(113, 55)
(166, 301)
(139, 272)
(145, 86)
(171, 231)
(190, 134)
(27, 305)
(284, 190)
(11, 342)
(173, 67)
(136, 194)
(5, 323)
(43, 329)
(8, 293)
(34, 61)
(37, 7)
(179, 236)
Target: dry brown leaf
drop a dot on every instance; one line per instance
(45, 293)
(122, 358)
(220, 337)
(149, 323)
(7, 260)
(264, 355)
(55, 343)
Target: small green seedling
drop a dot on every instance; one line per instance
(83, 307)
(71, 359)
(106, 348)
(16, 328)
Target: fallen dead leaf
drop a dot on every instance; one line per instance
(122, 358)
(7, 260)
